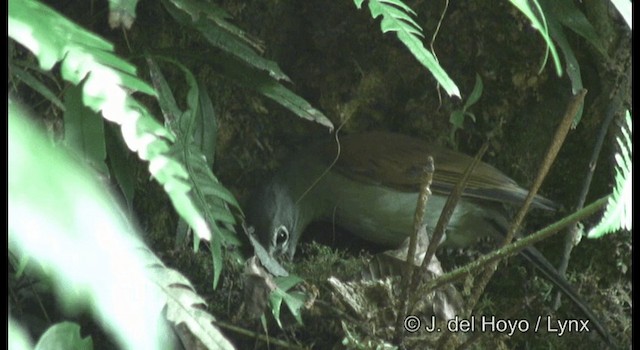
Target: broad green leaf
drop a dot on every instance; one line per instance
(572, 67)
(64, 335)
(294, 301)
(267, 261)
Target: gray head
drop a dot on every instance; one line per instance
(277, 219)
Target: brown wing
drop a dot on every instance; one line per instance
(398, 161)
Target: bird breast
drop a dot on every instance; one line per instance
(384, 216)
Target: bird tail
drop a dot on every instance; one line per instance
(539, 261)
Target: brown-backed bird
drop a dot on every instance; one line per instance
(372, 190)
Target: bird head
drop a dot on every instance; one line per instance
(277, 219)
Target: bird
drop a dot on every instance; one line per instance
(368, 184)
(372, 191)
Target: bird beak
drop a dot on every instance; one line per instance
(290, 252)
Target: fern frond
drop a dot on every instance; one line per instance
(108, 83)
(184, 305)
(396, 17)
(68, 225)
(618, 214)
(212, 22)
(211, 197)
(242, 63)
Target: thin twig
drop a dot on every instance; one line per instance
(408, 271)
(425, 192)
(558, 139)
(514, 247)
(450, 206)
(571, 237)
(443, 221)
(327, 169)
(433, 50)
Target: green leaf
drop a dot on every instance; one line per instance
(266, 259)
(216, 256)
(475, 95)
(566, 13)
(207, 193)
(167, 101)
(185, 306)
(270, 88)
(22, 264)
(36, 85)
(18, 338)
(56, 208)
(540, 25)
(287, 282)
(84, 130)
(221, 33)
(396, 18)
(121, 163)
(294, 301)
(47, 34)
(206, 130)
(457, 119)
(108, 85)
(572, 67)
(64, 335)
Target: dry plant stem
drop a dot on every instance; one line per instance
(449, 207)
(425, 192)
(258, 336)
(558, 139)
(612, 109)
(570, 238)
(443, 221)
(407, 276)
(514, 247)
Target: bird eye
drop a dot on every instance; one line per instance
(281, 237)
